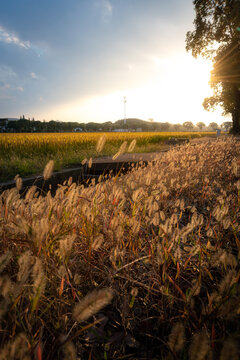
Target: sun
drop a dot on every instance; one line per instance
(173, 93)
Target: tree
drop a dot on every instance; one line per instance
(226, 125)
(188, 125)
(217, 37)
(214, 126)
(201, 125)
(177, 127)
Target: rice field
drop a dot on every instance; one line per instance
(27, 154)
(142, 266)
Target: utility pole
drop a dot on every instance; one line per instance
(124, 106)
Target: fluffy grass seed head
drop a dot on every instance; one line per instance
(121, 150)
(65, 245)
(4, 260)
(5, 286)
(97, 242)
(101, 143)
(39, 278)
(24, 262)
(69, 351)
(199, 347)
(84, 161)
(19, 182)
(177, 337)
(92, 303)
(48, 170)
(16, 349)
(230, 350)
(90, 163)
(132, 145)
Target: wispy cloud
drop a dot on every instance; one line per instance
(7, 74)
(106, 8)
(33, 75)
(10, 38)
(4, 85)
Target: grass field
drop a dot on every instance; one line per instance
(143, 266)
(27, 154)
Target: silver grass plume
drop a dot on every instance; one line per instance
(92, 303)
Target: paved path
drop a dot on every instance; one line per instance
(131, 157)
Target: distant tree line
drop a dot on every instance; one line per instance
(32, 125)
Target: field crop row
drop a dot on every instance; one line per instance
(26, 154)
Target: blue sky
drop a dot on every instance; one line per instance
(74, 60)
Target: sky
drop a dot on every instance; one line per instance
(75, 60)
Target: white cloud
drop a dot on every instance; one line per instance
(20, 88)
(11, 38)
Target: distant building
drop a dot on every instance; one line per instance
(78, 129)
(121, 130)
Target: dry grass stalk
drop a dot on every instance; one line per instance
(163, 226)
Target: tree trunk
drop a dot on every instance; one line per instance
(236, 111)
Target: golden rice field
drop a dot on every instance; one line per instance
(140, 266)
(26, 154)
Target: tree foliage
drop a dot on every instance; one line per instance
(217, 37)
(201, 125)
(188, 125)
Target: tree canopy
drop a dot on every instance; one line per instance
(217, 36)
